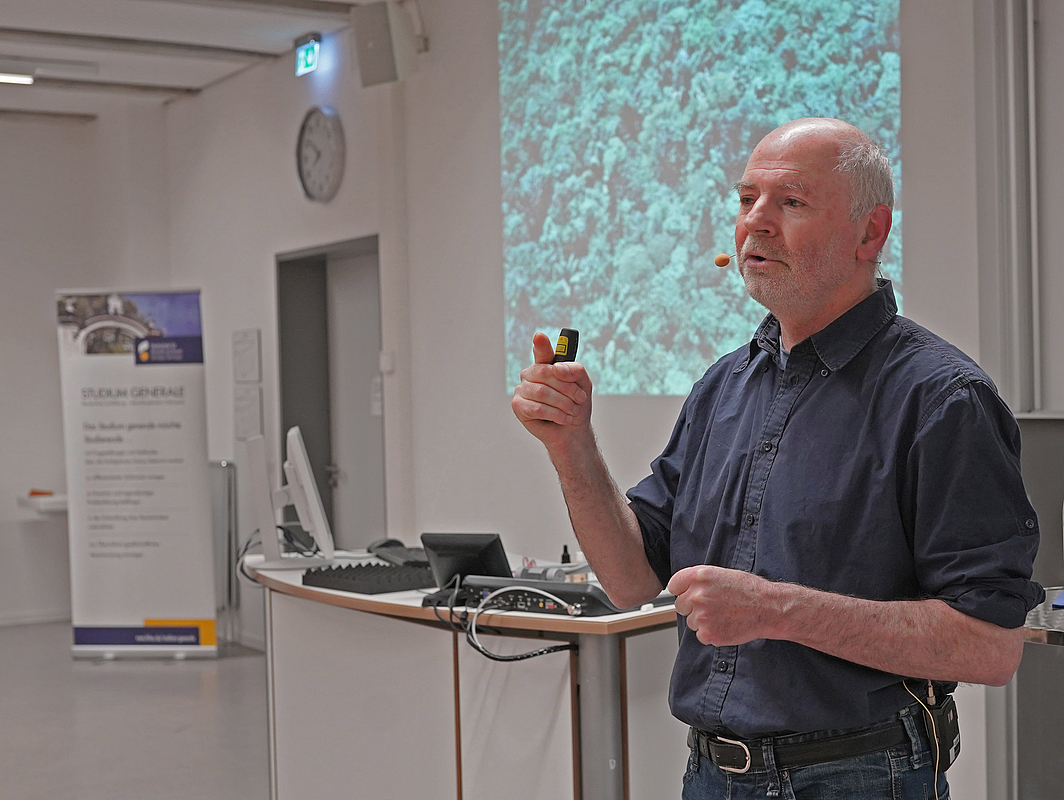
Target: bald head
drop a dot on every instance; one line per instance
(855, 155)
(807, 247)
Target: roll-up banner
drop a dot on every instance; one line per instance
(134, 418)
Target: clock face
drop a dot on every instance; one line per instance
(320, 154)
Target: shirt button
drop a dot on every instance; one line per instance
(1030, 524)
(767, 447)
(722, 666)
(824, 372)
(750, 519)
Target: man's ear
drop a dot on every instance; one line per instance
(877, 226)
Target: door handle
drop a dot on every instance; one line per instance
(332, 475)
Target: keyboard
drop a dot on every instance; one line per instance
(401, 556)
(370, 578)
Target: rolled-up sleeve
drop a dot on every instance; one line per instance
(975, 534)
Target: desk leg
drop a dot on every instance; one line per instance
(601, 765)
(271, 711)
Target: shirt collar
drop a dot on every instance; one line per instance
(844, 338)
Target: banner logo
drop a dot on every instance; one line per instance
(170, 350)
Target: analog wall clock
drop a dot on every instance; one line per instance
(320, 154)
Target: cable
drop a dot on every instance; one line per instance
(462, 616)
(251, 542)
(421, 41)
(294, 544)
(474, 641)
(934, 731)
(255, 539)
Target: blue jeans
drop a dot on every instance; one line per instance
(905, 772)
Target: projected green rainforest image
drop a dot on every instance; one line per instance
(625, 124)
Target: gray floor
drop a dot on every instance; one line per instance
(144, 729)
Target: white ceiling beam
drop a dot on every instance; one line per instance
(29, 115)
(119, 44)
(114, 86)
(47, 67)
(321, 8)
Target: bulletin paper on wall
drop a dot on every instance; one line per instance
(134, 416)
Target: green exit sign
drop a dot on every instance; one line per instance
(307, 57)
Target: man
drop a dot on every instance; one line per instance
(839, 507)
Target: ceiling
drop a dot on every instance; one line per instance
(84, 53)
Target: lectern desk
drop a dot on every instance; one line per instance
(372, 696)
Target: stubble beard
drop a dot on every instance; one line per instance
(809, 276)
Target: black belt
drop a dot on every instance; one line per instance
(734, 755)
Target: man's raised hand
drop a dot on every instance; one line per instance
(553, 401)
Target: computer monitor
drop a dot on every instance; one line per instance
(464, 554)
(299, 491)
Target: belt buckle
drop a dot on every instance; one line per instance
(746, 750)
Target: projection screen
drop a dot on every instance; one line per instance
(625, 124)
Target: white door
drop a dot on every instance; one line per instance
(356, 401)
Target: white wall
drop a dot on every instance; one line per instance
(129, 200)
(45, 227)
(235, 203)
(938, 169)
(476, 468)
(82, 205)
(940, 255)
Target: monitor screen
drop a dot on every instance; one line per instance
(462, 554)
(260, 492)
(299, 491)
(303, 492)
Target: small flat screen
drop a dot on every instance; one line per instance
(462, 554)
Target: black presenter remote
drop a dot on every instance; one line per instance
(568, 341)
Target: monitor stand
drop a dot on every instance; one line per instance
(274, 558)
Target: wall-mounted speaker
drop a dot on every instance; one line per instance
(384, 41)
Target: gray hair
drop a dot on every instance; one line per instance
(871, 176)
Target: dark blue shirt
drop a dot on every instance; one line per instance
(880, 464)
